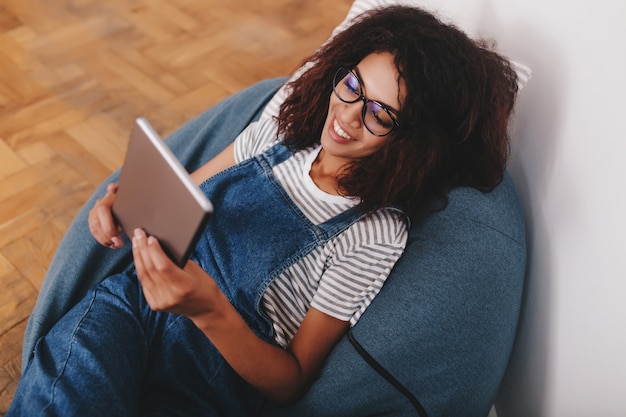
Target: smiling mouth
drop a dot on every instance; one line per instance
(339, 131)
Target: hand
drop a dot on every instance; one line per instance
(190, 292)
(101, 222)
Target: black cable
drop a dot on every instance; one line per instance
(421, 412)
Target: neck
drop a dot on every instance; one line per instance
(325, 173)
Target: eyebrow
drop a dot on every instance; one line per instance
(356, 72)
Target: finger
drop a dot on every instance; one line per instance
(138, 240)
(109, 197)
(95, 227)
(108, 227)
(158, 259)
(112, 188)
(150, 291)
(154, 260)
(101, 223)
(152, 266)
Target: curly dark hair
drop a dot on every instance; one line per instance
(454, 120)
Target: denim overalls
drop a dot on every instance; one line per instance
(257, 233)
(111, 355)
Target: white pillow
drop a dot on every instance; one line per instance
(358, 7)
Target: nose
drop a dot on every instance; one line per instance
(351, 114)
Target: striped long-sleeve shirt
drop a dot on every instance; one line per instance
(342, 277)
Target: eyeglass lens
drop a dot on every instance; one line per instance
(376, 117)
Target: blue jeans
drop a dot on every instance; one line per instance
(113, 356)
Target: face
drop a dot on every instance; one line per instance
(345, 137)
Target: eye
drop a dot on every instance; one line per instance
(352, 84)
(384, 121)
(379, 115)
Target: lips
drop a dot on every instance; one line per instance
(341, 135)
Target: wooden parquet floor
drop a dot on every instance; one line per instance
(73, 76)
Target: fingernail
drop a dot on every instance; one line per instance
(117, 243)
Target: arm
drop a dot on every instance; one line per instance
(222, 161)
(281, 374)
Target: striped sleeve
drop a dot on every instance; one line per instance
(256, 138)
(365, 255)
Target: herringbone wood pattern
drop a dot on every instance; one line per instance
(73, 76)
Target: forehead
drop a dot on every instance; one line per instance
(380, 80)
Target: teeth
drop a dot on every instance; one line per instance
(340, 131)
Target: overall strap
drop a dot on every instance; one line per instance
(275, 155)
(324, 231)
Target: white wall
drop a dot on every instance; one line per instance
(569, 165)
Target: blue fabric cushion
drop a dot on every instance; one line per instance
(442, 326)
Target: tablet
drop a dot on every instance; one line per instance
(156, 194)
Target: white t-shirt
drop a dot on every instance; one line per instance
(342, 277)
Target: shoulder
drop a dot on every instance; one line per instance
(384, 224)
(380, 231)
(256, 138)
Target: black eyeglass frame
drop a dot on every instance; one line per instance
(364, 99)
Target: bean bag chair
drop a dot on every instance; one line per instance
(435, 341)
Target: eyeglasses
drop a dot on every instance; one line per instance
(377, 117)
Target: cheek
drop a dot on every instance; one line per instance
(333, 103)
(374, 144)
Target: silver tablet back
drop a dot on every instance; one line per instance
(156, 193)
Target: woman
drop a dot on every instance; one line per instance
(395, 111)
